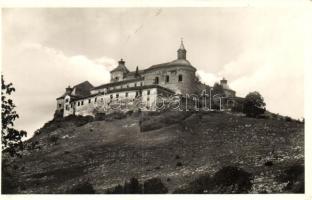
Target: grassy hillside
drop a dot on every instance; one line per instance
(175, 147)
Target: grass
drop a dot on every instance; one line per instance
(117, 150)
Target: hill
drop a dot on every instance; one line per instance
(175, 147)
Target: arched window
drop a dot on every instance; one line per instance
(167, 79)
(156, 80)
(180, 78)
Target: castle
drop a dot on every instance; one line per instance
(130, 87)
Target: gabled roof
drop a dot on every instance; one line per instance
(118, 83)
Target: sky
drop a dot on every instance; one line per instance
(255, 48)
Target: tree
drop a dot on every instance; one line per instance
(11, 138)
(254, 104)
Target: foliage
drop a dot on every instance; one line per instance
(227, 180)
(53, 139)
(217, 89)
(82, 188)
(133, 186)
(10, 137)
(154, 186)
(232, 176)
(254, 104)
(294, 176)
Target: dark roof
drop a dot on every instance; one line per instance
(81, 90)
(177, 62)
(118, 83)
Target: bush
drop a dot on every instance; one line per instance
(227, 180)
(151, 186)
(288, 119)
(100, 116)
(268, 163)
(154, 186)
(53, 139)
(82, 188)
(133, 187)
(232, 176)
(294, 175)
(254, 104)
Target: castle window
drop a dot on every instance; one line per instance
(117, 96)
(66, 100)
(67, 108)
(167, 79)
(78, 103)
(111, 96)
(60, 105)
(126, 94)
(81, 102)
(95, 99)
(180, 78)
(148, 92)
(89, 100)
(156, 80)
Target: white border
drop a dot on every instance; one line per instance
(197, 3)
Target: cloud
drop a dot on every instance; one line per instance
(41, 75)
(208, 78)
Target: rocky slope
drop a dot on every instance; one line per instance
(175, 147)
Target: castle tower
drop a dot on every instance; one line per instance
(119, 72)
(182, 51)
(224, 84)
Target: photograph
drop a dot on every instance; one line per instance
(153, 100)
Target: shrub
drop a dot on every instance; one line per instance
(268, 163)
(154, 186)
(288, 119)
(53, 139)
(82, 188)
(179, 164)
(201, 184)
(116, 190)
(99, 116)
(294, 175)
(232, 176)
(227, 180)
(133, 187)
(151, 186)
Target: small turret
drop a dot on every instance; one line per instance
(224, 84)
(68, 90)
(182, 51)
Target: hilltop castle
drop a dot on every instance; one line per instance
(130, 87)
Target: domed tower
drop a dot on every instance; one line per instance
(182, 51)
(119, 72)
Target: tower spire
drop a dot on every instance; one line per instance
(181, 51)
(182, 45)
